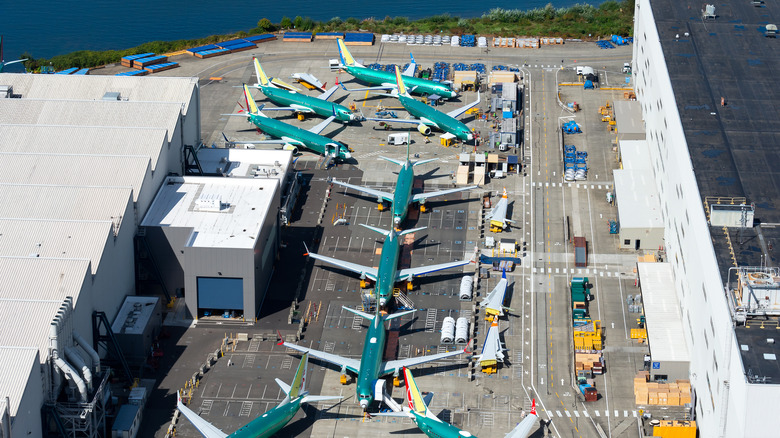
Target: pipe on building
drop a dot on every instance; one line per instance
(75, 358)
(88, 348)
(72, 376)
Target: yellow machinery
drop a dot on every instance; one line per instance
(301, 117)
(489, 366)
(490, 313)
(344, 379)
(397, 381)
(446, 142)
(409, 285)
(422, 208)
(381, 206)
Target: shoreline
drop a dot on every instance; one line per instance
(583, 21)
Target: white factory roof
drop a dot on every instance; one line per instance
(55, 239)
(222, 212)
(634, 154)
(662, 313)
(94, 87)
(42, 278)
(58, 139)
(64, 202)
(17, 364)
(245, 162)
(637, 199)
(628, 117)
(25, 323)
(132, 319)
(75, 170)
(90, 113)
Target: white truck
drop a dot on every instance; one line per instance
(398, 138)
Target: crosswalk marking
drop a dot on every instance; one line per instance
(559, 413)
(625, 413)
(597, 413)
(567, 414)
(634, 413)
(577, 414)
(616, 413)
(585, 413)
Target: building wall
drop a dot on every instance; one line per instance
(27, 421)
(219, 262)
(671, 369)
(266, 250)
(649, 238)
(706, 318)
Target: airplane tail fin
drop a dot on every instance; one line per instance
(503, 273)
(533, 407)
(361, 314)
(401, 87)
(399, 314)
(415, 399)
(299, 382)
(261, 77)
(411, 230)
(344, 55)
(250, 101)
(378, 230)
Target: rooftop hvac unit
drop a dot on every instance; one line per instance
(112, 95)
(771, 31)
(208, 203)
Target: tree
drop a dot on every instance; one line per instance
(265, 25)
(286, 23)
(298, 22)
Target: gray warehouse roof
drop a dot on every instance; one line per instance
(662, 313)
(233, 221)
(16, 366)
(94, 87)
(58, 139)
(42, 278)
(63, 202)
(26, 323)
(637, 199)
(628, 117)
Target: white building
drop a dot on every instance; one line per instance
(77, 172)
(703, 153)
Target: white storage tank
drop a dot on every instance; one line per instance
(462, 331)
(448, 330)
(466, 287)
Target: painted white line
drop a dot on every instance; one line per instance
(559, 413)
(567, 414)
(577, 414)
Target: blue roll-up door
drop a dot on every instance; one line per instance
(220, 293)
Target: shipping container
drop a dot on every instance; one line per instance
(580, 252)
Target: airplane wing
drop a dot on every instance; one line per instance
(423, 196)
(350, 364)
(349, 266)
(405, 274)
(378, 193)
(14, 62)
(252, 141)
(458, 112)
(205, 428)
(298, 108)
(495, 299)
(322, 125)
(393, 365)
(328, 93)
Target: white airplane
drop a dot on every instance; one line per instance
(497, 214)
(492, 349)
(494, 302)
(309, 81)
(523, 428)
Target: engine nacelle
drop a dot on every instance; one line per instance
(289, 147)
(424, 129)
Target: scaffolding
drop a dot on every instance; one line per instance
(85, 419)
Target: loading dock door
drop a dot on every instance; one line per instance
(221, 293)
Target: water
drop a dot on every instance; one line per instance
(47, 28)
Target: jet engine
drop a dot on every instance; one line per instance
(424, 129)
(289, 147)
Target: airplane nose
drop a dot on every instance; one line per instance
(470, 136)
(364, 404)
(397, 220)
(347, 155)
(382, 301)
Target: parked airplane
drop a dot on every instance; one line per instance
(292, 137)
(274, 419)
(497, 214)
(385, 80)
(301, 103)
(492, 348)
(387, 274)
(309, 81)
(2, 59)
(402, 196)
(433, 427)
(494, 302)
(370, 367)
(428, 117)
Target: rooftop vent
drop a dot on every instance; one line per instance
(771, 31)
(112, 95)
(770, 356)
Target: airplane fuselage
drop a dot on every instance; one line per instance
(314, 142)
(440, 120)
(388, 266)
(438, 429)
(267, 424)
(415, 85)
(371, 361)
(403, 193)
(320, 107)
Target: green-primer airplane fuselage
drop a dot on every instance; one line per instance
(319, 106)
(403, 193)
(371, 360)
(315, 142)
(388, 265)
(267, 424)
(415, 85)
(433, 117)
(438, 429)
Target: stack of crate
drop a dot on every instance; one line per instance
(654, 393)
(592, 362)
(588, 336)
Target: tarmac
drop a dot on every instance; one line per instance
(537, 331)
